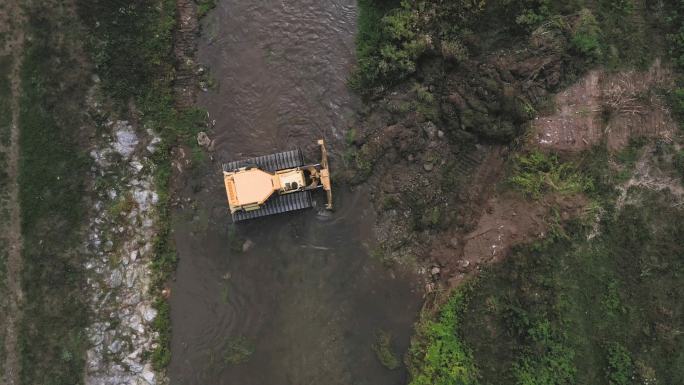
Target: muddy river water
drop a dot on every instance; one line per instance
(304, 297)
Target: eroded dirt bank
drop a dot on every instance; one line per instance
(291, 299)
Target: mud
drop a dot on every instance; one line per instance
(299, 290)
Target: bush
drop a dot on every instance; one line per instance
(620, 367)
(438, 355)
(537, 174)
(586, 37)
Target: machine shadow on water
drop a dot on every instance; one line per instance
(292, 298)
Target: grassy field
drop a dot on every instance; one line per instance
(52, 172)
(5, 121)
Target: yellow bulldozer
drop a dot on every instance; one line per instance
(274, 184)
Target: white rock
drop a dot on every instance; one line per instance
(247, 245)
(116, 278)
(115, 346)
(203, 139)
(126, 141)
(135, 323)
(136, 166)
(149, 375)
(148, 312)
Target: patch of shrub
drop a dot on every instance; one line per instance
(620, 366)
(587, 35)
(438, 355)
(537, 173)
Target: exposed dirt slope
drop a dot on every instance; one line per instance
(610, 106)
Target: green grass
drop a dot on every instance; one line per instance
(5, 123)
(438, 353)
(538, 173)
(3, 302)
(51, 179)
(5, 100)
(204, 6)
(568, 311)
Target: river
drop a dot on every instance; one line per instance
(305, 297)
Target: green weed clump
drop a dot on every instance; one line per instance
(587, 34)
(204, 6)
(438, 354)
(238, 351)
(383, 350)
(620, 367)
(537, 174)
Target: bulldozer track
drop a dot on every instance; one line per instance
(276, 205)
(271, 163)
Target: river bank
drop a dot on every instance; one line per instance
(497, 142)
(92, 130)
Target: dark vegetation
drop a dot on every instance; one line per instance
(131, 47)
(52, 168)
(567, 309)
(5, 122)
(574, 310)
(5, 100)
(476, 73)
(571, 308)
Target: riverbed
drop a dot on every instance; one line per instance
(296, 298)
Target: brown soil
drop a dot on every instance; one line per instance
(507, 220)
(12, 228)
(607, 106)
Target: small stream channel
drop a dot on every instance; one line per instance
(305, 296)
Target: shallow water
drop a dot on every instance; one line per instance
(306, 297)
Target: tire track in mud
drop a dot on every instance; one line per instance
(12, 228)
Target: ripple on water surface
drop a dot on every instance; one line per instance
(305, 299)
